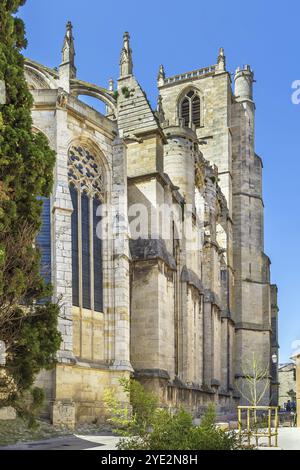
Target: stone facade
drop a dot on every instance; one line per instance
(186, 284)
(297, 360)
(287, 383)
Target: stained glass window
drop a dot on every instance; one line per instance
(87, 188)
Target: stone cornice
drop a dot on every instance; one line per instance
(213, 298)
(152, 373)
(252, 326)
(151, 249)
(253, 196)
(191, 278)
(162, 178)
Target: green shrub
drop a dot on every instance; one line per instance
(148, 427)
(138, 419)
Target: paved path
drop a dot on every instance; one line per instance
(69, 443)
(101, 442)
(289, 438)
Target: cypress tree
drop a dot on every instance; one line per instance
(27, 326)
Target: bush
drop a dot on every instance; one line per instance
(149, 427)
(136, 419)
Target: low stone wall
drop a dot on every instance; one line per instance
(193, 398)
(77, 393)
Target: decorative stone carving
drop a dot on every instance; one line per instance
(221, 60)
(63, 413)
(126, 65)
(84, 171)
(62, 98)
(160, 110)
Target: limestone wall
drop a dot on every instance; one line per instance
(287, 382)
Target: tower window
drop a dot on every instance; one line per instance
(190, 109)
(86, 187)
(196, 111)
(185, 112)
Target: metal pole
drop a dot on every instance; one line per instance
(276, 427)
(240, 424)
(269, 427)
(248, 425)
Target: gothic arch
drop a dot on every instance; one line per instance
(88, 176)
(190, 102)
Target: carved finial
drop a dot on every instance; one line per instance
(161, 76)
(126, 65)
(111, 84)
(68, 50)
(160, 110)
(221, 60)
(69, 28)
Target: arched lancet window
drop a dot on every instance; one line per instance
(190, 109)
(86, 187)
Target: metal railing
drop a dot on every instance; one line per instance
(261, 422)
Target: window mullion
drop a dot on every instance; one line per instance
(91, 235)
(80, 249)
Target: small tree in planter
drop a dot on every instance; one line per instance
(256, 375)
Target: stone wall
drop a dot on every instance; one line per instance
(287, 383)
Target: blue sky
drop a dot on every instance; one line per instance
(185, 36)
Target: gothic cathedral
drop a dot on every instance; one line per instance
(153, 238)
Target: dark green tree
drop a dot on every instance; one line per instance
(28, 326)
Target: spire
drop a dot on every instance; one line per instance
(221, 60)
(161, 76)
(111, 84)
(68, 50)
(126, 65)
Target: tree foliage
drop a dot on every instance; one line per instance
(27, 325)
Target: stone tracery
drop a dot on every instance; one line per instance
(85, 172)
